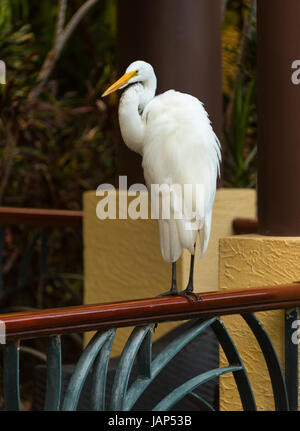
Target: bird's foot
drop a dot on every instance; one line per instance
(173, 291)
(195, 294)
(169, 293)
(184, 293)
(190, 291)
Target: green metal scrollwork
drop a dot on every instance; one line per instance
(138, 335)
(272, 361)
(162, 359)
(100, 374)
(291, 357)
(201, 401)
(53, 391)
(138, 348)
(233, 357)
(11, 372)
(83, 367)
(175, 396)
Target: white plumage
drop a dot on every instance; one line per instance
(174, 136)
(180, 147)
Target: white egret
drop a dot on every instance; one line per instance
(174, 136)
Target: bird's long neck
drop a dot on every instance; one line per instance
(132, 104)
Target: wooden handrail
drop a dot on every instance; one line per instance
(40, 217)
(137, 312)
(47, 217)
(245, 225)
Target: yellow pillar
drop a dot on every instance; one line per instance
(247, 261)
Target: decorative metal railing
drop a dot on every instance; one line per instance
(136, 370)
(32, 277)
(137, 353)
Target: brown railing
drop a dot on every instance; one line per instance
(46, 217)
(40, 217)
(244, 226)
(136, 312)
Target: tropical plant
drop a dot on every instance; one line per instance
(240, 163)
(240, 95)
(50, 137)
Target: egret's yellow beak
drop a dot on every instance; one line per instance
(122, 81)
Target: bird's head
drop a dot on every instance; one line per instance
(138, 71)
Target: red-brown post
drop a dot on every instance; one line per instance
(279, 117)
(182, 40)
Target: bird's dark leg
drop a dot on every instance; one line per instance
(174, 290)
(190, 286)
(189, 290)
(174, 280)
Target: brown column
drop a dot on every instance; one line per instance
(182, 41)
(278, 118)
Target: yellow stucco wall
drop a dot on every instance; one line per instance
(122, 258)
(252, 261)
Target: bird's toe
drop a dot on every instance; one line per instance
(196, 295)
(169, 293)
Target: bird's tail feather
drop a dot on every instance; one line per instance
(174, 237)
(169, 240)
(204, 234)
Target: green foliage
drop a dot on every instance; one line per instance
(240, 126)
(14, 40)
(63, 143)
(240, 161)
